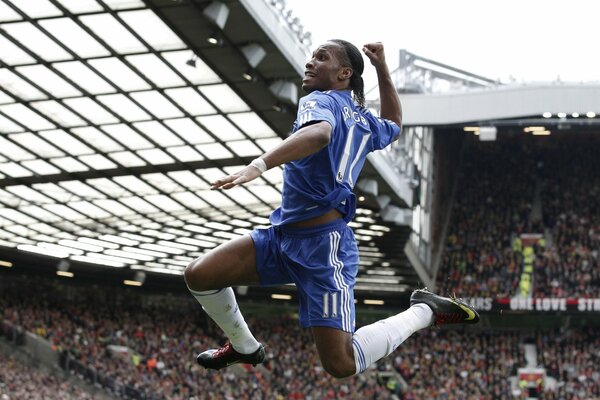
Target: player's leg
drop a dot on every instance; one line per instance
(209, 279)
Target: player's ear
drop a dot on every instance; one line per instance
(345, 73)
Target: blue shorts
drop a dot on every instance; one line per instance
(322, 261)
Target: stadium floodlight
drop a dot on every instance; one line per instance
(62, 269)
(547, 114)
(249, 75)
(285, 91)
(575, 115)
(488, 133)
(217, 13)
(590, 114)
(6, 264)
(214, 38)
(254, 53)
(562, 115)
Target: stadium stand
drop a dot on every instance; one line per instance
(143, 346)
(521, 185)
(19, 381)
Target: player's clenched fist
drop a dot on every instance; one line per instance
(375, 53)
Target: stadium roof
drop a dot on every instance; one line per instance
(115, 115)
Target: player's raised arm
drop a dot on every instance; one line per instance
(306, 141)
(389, 100)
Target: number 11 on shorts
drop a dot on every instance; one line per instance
(330, 299)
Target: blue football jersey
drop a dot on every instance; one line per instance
(324, 180)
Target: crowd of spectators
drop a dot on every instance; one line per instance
(493, 202)
(20, 381)
(447, 364)
(150, 346)
(573, 358)
(571, 207)
(149, 343)
(494, 205)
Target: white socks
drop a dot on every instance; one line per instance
(221, 306)
(375, 341)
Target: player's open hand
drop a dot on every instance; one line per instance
(375, 53)
(245, 175)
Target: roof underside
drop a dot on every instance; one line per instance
(109, 140)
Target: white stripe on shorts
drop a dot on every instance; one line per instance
(345, 310)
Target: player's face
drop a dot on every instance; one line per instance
(324, 70)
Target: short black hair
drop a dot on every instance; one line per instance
(353, 59)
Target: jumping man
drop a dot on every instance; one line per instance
(309, 242)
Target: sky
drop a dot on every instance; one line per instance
(511, 40)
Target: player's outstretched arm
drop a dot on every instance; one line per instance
(306, 141)
(390, 102)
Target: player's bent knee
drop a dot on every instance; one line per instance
(339, 369)
(193, 275)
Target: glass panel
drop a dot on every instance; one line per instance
(81, 6)
(109, 187)
(33, 39)
(135, 184)
(19, 87)
(65, 141)
(191, 101)
(215, 198)
(268, 144)
(26, 117)
(188, 130)
(244, 148)
(252, 124)
(138, 204)
(12, 54)
(35, 144)
(124, 4)
(265, 193)
(127, 159)
(96, 161)
(185, 153)
(188, 179)
(58, 113)
(87, 208)
(13, 151)
(164, 203)
(222, 128)
(37, 8)
(5, 98)
(91, 110)
(121, 105)
(201, 74)
(49, 81)
(157, 104)
(224, 98)
(157, 132)
(69, 164)
(155, 70)
(83, 190)
(214, 151)
(163, 182)
(97, 139)
(113, 33)
(120, 74)
(14, 170)
(8, 126)
(155, 156)
(7, 13)
(41, 214)
(74, 37)
(40, 167)
(127, 136)
(154, 31)
(189, 200)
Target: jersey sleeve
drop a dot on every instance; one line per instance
(315, 107)
(383, 131)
